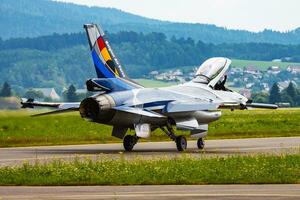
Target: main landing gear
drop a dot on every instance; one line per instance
(180, 141)
(129, 141)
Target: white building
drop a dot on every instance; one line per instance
(48, 92)
(293, 69)
(274, 69)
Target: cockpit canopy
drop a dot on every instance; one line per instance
(211, 71)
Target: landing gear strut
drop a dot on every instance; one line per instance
(129, 141)
(180, 141)
(200, 143)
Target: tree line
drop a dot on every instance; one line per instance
(289, 95)
(157, 44)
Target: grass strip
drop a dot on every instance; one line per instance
(260, 169)
(17, 128)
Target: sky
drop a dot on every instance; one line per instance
(252, 15)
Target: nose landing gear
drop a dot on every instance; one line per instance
(200, 143)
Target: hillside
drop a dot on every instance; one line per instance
(60, 60)
(31, 18)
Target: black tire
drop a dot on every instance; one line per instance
(128, 142)
(200, 143)
(181, 143)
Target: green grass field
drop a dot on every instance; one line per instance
(185, 170)
(17, 128)
(263, 65)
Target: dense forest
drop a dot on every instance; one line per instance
(60, 60)
(32, 18)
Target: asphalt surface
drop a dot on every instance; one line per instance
(15, 156)
(229, 192)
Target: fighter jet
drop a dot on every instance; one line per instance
(124, 104)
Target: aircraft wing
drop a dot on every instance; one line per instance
(59, 107)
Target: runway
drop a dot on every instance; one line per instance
(147, 150)
(229, 192)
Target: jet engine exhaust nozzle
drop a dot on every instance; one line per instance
(97, 108)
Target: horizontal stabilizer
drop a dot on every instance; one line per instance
(59, 107)
(56, 112)
(30, 103)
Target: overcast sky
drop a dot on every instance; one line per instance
(253, 15)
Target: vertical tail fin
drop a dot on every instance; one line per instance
(108, 69)
(105, 61)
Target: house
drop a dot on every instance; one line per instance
(177, 73)
(162, 76)
(282, 85)
(169, 75)
(251, 70)
(266, 86)
(293, 69)
(274, 70)
(249, 85)
(277, 60)
(153, 73)
(236, 70)
(48, 92)
(246, 93)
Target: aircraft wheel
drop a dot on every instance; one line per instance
(200, 143)
(129, 141)
(181, 143)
